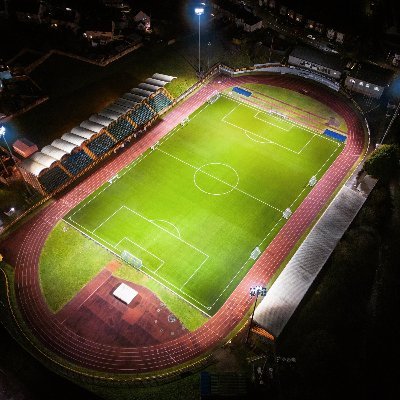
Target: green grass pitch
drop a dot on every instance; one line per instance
(194, 207)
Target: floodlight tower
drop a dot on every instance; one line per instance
(199, 11)
(255, 292)
(3, 135)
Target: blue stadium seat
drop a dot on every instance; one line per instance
(121, 129)
(77, 162)
(52, 179)
(101, 144)
(141, 115)
(159, 102)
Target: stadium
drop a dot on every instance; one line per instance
(204, 196)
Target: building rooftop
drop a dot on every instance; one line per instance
(315, 56)
(372, 73)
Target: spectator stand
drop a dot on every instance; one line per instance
(77, 151)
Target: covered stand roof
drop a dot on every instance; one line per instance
(43, 159)
(92, 126)
(54, 152)
(117, 108)
(141, 92)
(156, 82)
(33, 167)
(99, 119)
(74, 139)
(133, 97)
(162, 77)
(125, 103)
(110, 114)
(147, 86)
(85, 133)
(64, 145)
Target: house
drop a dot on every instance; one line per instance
(368, 79)
(240, 15)
(99, 32)
(142, 20)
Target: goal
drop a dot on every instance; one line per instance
(213, 98)
(185, 121)
(313, 181)
(131, 259)
(255, 253)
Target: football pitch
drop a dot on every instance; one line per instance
(194, 207)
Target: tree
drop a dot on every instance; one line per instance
(383, 162)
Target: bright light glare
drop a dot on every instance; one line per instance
(199, 10)
(2, 131)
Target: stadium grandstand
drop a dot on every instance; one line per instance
(328, 64)
(59, 163)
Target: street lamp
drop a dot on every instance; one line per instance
(255, 291)
(199, 11)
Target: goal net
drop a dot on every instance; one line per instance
(278, 114)
(213, 98)
(255, 253)
(313, 181)
(131, 259)
(287, 213)
(185, 121)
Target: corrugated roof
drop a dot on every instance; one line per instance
(33, 167)
(99, 119)
(85, 133)
(110, 114)
(64, 145)
(92, 126)
(292, 284)
(125, 103)
(43, 159)
(162, 77)
(133, 97)
(117, 108)
(156, 82)
(74, 139)
(147, 86)
(54, 152)
(141, 92)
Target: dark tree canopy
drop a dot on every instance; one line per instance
(383, 162)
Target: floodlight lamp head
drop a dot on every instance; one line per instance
(2, 131)
(199, 11)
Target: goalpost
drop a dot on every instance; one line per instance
(185, 121)
(131, 259)
(213, 98)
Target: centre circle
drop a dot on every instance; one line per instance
(216, 179)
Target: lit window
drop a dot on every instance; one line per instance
(352, 81)
(376, 88)
(367, 85)
(361, 83)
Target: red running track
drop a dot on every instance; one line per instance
(22, 249)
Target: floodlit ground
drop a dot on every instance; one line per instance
(195, 207)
